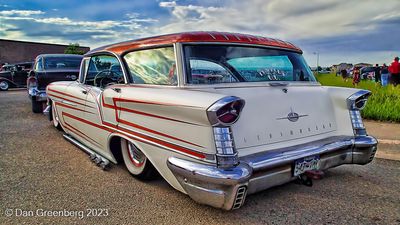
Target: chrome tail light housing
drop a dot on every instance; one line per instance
(225, 111)
(225, 146)
(222, 114)
(355, 104)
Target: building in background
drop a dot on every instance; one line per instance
(24, 51)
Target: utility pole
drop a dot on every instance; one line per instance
(317, 53)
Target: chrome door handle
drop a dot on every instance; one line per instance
(118, 90)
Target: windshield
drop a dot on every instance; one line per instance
(62, 63)
(211, 64)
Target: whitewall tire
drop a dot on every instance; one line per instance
(4, 85)
(136, 161)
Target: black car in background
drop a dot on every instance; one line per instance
(50, 68)
(367, 73)
(14, 75)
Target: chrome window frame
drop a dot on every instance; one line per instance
(108, 53)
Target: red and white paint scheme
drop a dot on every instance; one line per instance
(218, 115)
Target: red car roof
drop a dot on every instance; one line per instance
(200, 36)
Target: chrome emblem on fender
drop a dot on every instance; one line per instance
(292, 116)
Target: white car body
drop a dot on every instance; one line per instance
(173, 126)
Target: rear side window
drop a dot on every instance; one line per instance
(59, 63)
(39, 64)
(152, 66)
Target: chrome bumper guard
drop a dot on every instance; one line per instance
(227, 188)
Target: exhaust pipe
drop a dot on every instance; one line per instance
(94, 157)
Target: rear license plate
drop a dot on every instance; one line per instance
(306, 164)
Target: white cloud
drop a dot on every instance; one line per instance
(281, 18)
(65, 30)
(20, 12)
(168, 4)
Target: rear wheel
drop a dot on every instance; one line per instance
(55, 118)
(37, 107)
(136, 162)
(4, 85)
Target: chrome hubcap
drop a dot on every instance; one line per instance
(136, 156)
(3, 85)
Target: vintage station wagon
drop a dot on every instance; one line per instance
(218, 115)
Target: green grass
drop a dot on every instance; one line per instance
(384, 103)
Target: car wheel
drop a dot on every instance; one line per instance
(37, 107)
(136, 162)
(4, 85)
(55, 118)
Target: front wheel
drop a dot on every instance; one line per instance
(136, 162)
(37, 107)
(4, 85)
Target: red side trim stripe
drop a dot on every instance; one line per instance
(145, 137)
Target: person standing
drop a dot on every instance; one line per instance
(356, 76)
(377, 70)
(344, 74)
(394, 70)
(384, 75)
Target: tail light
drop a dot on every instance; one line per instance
(221, 115)
(356, 103)
(31, 82)
(225, 111)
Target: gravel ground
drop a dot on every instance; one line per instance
(41, 170)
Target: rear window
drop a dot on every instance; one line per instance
(60, 63)
(210, 64)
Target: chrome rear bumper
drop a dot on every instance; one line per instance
(227, 188)
(37, 95)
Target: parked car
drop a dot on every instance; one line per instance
(14, 75)
(367, 73)
(257, 120)
(49, 68)
(6, 67)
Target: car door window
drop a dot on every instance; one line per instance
(103, 70)
(152, 66)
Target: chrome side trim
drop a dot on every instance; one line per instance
(102, 161)
(68, 103)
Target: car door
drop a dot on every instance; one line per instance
(19, 76)
(100, 114)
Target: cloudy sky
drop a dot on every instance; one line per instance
(339, 30)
